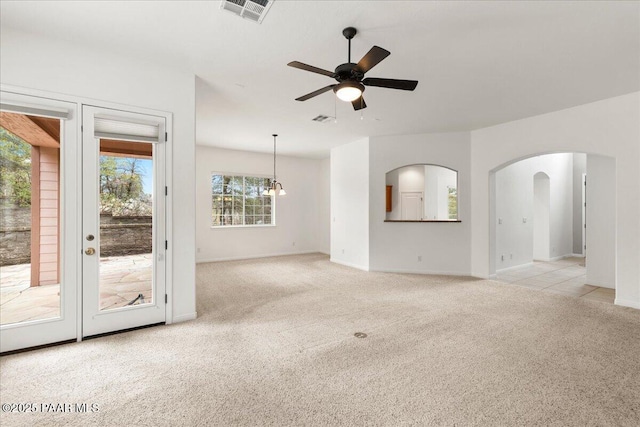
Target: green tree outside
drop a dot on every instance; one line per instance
(15, 169)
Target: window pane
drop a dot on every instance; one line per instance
(216, 184)
(238, 200)
(236, 185)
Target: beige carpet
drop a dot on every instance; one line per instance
(274, 345)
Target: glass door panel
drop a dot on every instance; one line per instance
(38, 261)
(126, 224)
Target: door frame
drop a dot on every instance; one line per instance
(79, 101)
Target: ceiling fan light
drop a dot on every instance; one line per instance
(282, 192)
(349, 90)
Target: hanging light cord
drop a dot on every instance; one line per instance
(274, 160)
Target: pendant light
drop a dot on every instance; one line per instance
(273, 189)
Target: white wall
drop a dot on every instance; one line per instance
(601, 221)
(57, 67)
(608, 127)
(579, 168)
(350, 204)
(324, 207)
(514, 217)
(444, 247)
(298, 214)
(541, 217)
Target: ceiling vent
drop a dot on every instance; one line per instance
(321, 118)
(253, 10)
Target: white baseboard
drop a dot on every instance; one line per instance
(558, 258)
(627, 303)
(428, 272)
(238, 258)
(185, 317)
(348, 264)
(577, 255)
(515, 267)
(491, 276)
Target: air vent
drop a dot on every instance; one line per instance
(253, 10)
(321, 118)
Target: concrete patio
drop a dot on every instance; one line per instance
(122, 279)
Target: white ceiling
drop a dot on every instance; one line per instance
(478, 63)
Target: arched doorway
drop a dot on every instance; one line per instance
(519, 207)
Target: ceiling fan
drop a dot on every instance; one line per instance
(350, 76)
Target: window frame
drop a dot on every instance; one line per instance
(244, 196)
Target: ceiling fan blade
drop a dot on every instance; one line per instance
(372, 58)
(359, 104)
(305, 67)
(391, 83)
(315, 93)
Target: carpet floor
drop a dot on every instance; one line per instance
(274, 345)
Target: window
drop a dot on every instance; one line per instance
(238, 200)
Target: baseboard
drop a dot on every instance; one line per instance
(558, 258)
(491, 276)
(430, 272)
(504, 270)
(348, 264)
(239, 258)
(627, 303)
(185, 317)
(577, 255)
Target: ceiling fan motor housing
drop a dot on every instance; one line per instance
(348, 71)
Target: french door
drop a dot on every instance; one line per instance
(123, 228)
(39, 221)
(82, 220)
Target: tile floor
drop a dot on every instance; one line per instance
(567, 276)
(122, 279)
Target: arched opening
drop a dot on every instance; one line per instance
(540, 219)
(541, 212)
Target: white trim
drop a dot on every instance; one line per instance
(577, 255)
(558, 258)
(428, 273)
(515, 267)
(240, 258)
(348, 264)
(225, 227)
(185, 317)
(627, 303)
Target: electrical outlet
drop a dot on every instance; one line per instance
(343, 251)
(502, 258)
(294, 243)
(419, 257)
(198, 250)
(510, 256)
(499, 220)
(524, 220)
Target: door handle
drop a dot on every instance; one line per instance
(90, 251)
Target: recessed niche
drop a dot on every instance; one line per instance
(422, 193)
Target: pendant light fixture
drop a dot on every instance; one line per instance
(273, 189)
